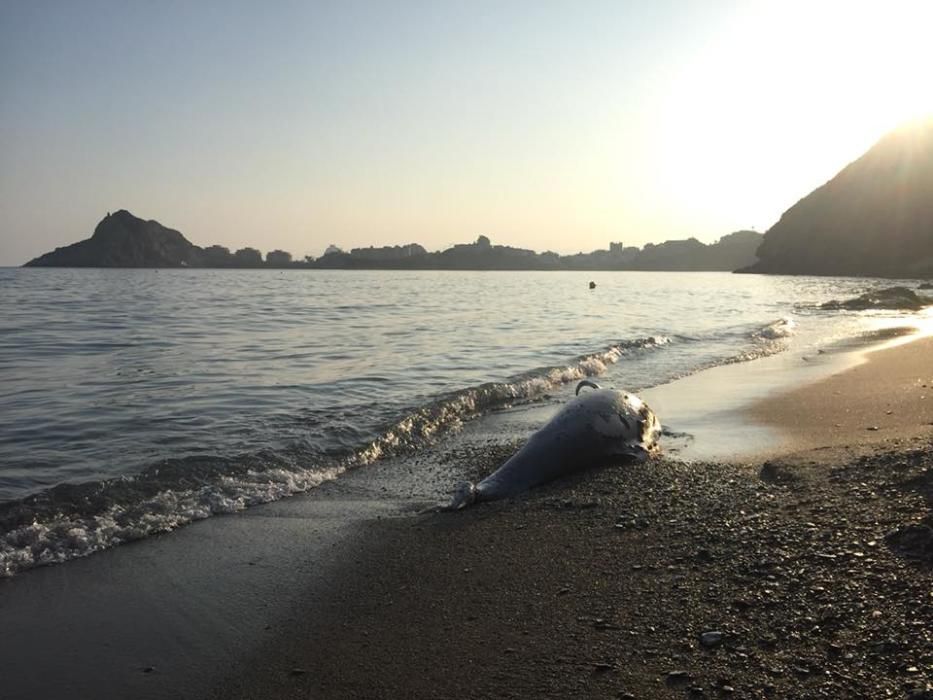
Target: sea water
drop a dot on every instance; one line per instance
(135, 401)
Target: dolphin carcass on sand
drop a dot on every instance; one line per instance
(593, 427)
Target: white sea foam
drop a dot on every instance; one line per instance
(425, 423)
(53, 538)
(782, 328)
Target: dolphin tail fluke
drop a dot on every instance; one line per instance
(464, 496)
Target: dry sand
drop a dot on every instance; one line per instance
(807, 577)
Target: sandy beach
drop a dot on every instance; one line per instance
(808, 576)
(436, 351)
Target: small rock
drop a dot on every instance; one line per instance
(873, 427)
(914, 541)
(678, 677)
(148, 669)
(711, 639)
(920, 694)
(298, 671)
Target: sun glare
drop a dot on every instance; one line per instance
(787, 93)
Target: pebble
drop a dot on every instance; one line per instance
(711, 639)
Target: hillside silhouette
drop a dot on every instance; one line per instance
(875, 218)
(124, 240)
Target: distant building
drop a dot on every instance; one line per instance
(332, 250)
(278, 257)
(217, 256)
(249, 257)
(393, 252)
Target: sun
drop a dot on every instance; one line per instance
(786, 94)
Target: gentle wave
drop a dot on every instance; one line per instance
(424, 424)
(48, 534)
(75, 520)
(782, 328)
(770, 339)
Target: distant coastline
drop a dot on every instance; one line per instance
(124, 240)
(873, 219)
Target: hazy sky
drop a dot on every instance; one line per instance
(549, 125)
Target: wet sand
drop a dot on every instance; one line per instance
(806, 576)
(885, 402)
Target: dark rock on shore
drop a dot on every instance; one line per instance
(875, 218)
(913, 541)
(889, 298)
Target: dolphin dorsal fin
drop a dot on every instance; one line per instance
(587, 382)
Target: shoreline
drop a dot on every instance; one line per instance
(571, 591)
(884, 400)
(746, 412)
(664, 580)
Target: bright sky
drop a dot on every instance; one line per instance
(547, 125)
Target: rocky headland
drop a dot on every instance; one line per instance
(123, 240)
(875, 218)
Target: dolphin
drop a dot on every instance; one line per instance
(594, 427)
